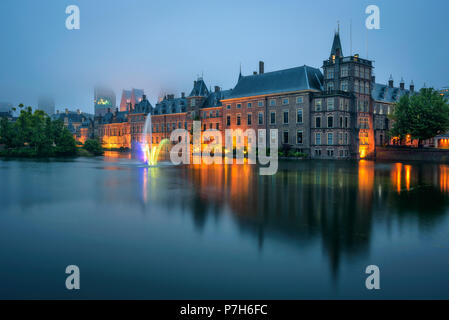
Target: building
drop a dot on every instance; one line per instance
(337, 113)
(384, 97)
(130, 98)
(104, 100)
(80, 124)
(274, 100)
(47, 105)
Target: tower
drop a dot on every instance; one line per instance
(342, 113)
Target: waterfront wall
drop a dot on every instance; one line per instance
(411, 154)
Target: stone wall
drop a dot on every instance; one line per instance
(411, 154)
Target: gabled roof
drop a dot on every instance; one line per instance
(383, 93)
(288, 80)
(199, 89)
(170, 106)
(143, 106)
(214, 98)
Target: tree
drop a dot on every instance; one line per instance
(94, 147)
(422, 116)
(35, 134)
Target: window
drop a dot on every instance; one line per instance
(260, 117)
(340, 138)
(330, 153)
(330, 122)
(228, 120)
(285, 137)
(318, 105)
(249, 119)
(185, 125)
(273, 117)
(299, 100)
(356, 86)
(239, 106)
(330, 104)
(260, 103)
(299, 137)
(342, 104)
(228, 106)
(272, 102)
(217, 126)
(330, 73)
(318, 153)
(330, 139)
(285, 101)
(299, 116)
(204, 127)
(344, 86)
(346, 138)
(249, 105)
(341, 122)
(344, 71)
(318, 122)
(318, 138)
(285, 117)
(238, 120)
(346, 122)
(330, 86)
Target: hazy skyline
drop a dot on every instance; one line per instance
(162, 46)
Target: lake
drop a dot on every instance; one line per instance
(223, 232)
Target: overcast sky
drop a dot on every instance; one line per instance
(162, 46)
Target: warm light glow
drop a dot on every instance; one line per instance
(151, 153)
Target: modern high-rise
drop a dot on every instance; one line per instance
(104, 100)
(46, 104)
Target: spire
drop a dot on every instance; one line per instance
(240, 73)
(337, 49)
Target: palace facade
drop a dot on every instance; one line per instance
(337, 113)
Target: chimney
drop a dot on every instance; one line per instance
(183, 95)
(66, 111)
(217, 89)
(261, 67)
(194, 83)
(412, 87)
(255, 73)
(78, 111)
(170, 96)
(373, 79)
(391, 82)
(109, 110)
(144, 97)
(402, 84)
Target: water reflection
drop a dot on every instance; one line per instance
(332, 202)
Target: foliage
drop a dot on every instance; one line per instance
(35, 135)
(94, 147)
(422, 116)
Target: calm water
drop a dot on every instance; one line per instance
(223, 232)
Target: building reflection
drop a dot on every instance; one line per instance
(332, 202)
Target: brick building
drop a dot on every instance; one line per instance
(339, 113)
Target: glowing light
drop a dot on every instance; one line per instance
(151, 153)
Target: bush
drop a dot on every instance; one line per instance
(94, 147)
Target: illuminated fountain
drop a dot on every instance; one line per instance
(150, 152)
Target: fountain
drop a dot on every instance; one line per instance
(150, 152)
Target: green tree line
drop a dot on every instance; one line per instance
(422, 116)
(35, 134)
